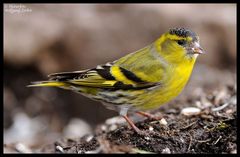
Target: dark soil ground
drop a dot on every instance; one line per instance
(212, 130)
(58, 38)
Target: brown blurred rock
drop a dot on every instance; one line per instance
(70, 37)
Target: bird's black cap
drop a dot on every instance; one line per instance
(183, 32)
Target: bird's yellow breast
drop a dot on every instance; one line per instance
(172, 86)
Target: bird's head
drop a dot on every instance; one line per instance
(179, 45)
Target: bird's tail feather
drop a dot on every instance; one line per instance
(48, 84)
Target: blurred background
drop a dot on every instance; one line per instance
(46, 38)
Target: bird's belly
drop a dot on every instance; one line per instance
(146, 99)
(114, 100)
(162, 94)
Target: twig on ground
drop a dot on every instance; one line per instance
(224, 105)
(217, 140)
(190, 143)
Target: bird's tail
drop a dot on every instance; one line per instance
(48, 84)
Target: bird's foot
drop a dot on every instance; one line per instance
(136, 129)
(148, 115)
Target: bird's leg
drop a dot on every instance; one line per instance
(130, 122)
(148, 115)
(135, 128)
(123, 113)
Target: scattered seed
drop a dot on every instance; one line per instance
(204, 141)
(190, 111)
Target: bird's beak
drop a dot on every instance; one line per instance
(197, 49)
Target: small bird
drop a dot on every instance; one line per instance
(140, 81)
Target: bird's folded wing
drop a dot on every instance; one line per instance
(105, 76)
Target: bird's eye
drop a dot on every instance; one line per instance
(182, 42)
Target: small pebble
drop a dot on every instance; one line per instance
(166, 151)
(198, 104)
(97, 150)
(151, 128)
(182, 140)
(103, 128)
(113, 127)
(59, 148)
(163, 121)
(115, 120)
(190, 111)
(205, 103)
(147, 138)
(23, 148)
(89, 138)
(77, 128)
(233, 151)
(229, 111)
